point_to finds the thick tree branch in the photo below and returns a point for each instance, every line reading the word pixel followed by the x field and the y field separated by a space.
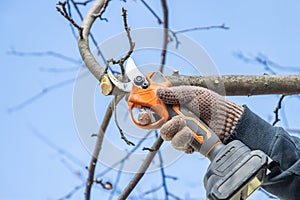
pixel 234 85
pixel 242 84
pixel 83 42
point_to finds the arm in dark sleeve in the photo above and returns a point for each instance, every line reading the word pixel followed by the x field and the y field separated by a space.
pixel 276 143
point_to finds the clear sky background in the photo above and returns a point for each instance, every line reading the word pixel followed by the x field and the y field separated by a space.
pixel 34 168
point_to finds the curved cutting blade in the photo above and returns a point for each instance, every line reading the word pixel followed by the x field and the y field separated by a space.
pixel 126 87
pixel 134 74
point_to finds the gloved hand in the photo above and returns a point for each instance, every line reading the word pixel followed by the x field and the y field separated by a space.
pixel 218 113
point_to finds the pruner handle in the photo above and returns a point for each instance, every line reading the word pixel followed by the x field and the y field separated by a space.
pixel 204 140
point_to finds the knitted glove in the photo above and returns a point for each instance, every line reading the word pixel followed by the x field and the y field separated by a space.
pixel 218 113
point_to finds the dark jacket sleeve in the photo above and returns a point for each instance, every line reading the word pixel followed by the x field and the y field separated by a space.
pixel 279 145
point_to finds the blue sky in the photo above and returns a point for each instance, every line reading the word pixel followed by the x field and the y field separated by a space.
pixel 31 169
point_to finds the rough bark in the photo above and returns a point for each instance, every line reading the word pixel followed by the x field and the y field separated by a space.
pixel 83 42
pixel 243 84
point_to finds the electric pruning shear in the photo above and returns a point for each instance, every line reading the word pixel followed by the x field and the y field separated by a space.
pixel 235 171
pixel 142 95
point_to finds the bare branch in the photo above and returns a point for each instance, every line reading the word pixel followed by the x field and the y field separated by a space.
pixel 234 85
pixel 147 149
pixel 166 34
pixel 123 137
pixel 175 33
pixel 269 65
pixel 243 84
pixel 63 12
pixel 97 149
pixel 56 148
pixel 164 177
pixel 143 168
pixel 90 34
pixel 107 185
pixel 141 171
pixel 84 3
pixel 131 44
pixel 276 111
pixel 152 12
pixel 83 43
pixel 42 93
pixel 222 26
pixel 71 193
pixel 44 53
pixel 102 11
pixel 120 171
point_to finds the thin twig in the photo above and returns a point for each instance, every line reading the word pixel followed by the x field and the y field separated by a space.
pixel 123 137
pixel 120 171
pixel 164 177
pixel 269 65
pixel 222 26
pixel 147 149
pixel 63 12
pixel 152 12
pixel 72 192
pixel 43 92
pixel 44 54
pixel 175 33
pixel 276 111
pixel 84 3
pixel 107 185
pixel 121 61
pixel 166 34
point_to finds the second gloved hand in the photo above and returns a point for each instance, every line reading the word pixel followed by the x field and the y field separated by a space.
pixel 218 113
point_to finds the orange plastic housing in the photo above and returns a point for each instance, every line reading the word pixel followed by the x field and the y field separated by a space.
pixel 141 98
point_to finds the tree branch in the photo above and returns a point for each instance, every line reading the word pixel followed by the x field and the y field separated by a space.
pixel 234 85
pixel 63 12
pixel 91 35
pixel 276 111
pixel 98 147
pixel 121 61
pixel 166 34
pixel 242 84
pixel 143 168
pixel 152 12
pixel 83 43
pixel 141 171
pixel 174 33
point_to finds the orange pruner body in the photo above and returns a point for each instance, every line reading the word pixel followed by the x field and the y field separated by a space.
pixel 146 98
